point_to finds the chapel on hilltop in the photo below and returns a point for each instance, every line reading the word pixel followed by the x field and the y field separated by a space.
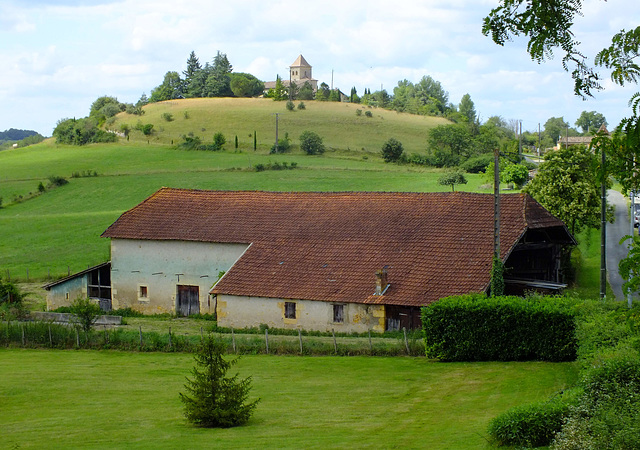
pixel 299 73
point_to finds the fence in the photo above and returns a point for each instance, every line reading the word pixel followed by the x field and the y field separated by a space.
pixel 43 334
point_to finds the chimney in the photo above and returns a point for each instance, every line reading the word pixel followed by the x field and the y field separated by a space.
pixel 381 281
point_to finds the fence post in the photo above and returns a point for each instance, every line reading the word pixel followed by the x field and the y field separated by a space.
pixel 335 344
pixel 233 340
pixel 140 330
pixel 370 344
pixel 266 338
pixel 23 340
pixel 169 338
pixel 201 335
pixel 406 343
pixel 77 338
pixel 50 340
pixel 300 339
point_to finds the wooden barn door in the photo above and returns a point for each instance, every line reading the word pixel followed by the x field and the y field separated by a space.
pixel 188 300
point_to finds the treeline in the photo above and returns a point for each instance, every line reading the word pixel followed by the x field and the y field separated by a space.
pixel 215 79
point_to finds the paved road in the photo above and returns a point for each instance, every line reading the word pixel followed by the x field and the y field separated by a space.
pixel 615 231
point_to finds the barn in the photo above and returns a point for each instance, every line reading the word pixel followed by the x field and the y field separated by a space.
pixel 348 261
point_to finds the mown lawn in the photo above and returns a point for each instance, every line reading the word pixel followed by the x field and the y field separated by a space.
pixel 91 399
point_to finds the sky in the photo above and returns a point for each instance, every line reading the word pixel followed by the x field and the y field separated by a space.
pixel 59 56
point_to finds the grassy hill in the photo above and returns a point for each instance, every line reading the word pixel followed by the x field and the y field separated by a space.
pixel 336 123
pixel 58 231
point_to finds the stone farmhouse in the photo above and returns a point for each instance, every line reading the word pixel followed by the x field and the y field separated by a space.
pixel 349 261
pixel 299 73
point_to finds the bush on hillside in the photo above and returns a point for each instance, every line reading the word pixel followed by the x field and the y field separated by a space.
pixel 478 328
pixel 81 132
pixel 311 143
pixel 86 312
pixel 392 150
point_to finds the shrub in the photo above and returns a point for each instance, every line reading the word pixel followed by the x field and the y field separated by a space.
pixel 607 415
pixel 86 313
pixel 311 143
pixel 358 112
pixel 186 114
pixel 214 400
pixel 57 181
pixel 392 150
pixel 147 129
pixel 477 164
pixel 218 141
pixel 479 328
pixel 290 105
pixel 368 113
pixel 167 116
pixel 301 105
pixel 284 145
pixel 532 425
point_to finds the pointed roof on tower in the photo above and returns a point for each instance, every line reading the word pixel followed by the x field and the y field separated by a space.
pixel 300 62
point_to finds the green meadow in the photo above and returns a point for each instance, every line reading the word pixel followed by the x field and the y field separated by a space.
pixel 103 399
pixel 47 235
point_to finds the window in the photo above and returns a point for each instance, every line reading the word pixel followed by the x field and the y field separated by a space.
pixel 143 292
pixel 289 310
pixel 338 313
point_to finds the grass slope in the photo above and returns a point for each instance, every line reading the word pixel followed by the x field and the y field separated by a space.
pixel 336 123
pixel 78 399
pixel 58 231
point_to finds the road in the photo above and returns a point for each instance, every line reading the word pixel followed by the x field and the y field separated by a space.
pixel 615 231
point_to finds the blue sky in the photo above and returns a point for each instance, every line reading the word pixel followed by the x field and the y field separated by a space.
pixel 59 56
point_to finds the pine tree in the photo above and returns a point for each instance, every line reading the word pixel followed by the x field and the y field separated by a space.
pixel 214 400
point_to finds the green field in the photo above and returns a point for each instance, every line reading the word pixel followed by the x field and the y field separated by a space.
pixel 85 399
pixel 58 232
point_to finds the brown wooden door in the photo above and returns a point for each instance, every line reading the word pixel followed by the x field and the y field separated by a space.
pixel 188 300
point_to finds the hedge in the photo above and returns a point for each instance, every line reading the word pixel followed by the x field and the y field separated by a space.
pixel 478 328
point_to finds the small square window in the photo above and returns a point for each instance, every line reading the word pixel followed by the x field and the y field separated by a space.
pixel 289 310
pixel 338 313
pixel 143 292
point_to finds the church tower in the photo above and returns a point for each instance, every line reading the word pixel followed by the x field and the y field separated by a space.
pixel 300 70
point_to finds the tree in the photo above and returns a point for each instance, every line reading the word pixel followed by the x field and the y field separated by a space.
pixel 85 312
pixel 467 108
pixel 567 185
pixel 451 179
pixel 392 150
pixel 306 91
pixel 590 121
pixel 323 92
pixel 311 143
pixel 172 87
pixel 517 174
pixel 245 85
pixel 629 267
pixel 212 399
pixel 279 93
pixel 218 141
pixel 450 144
pixel 555 127
pixel 193 67
pixel 218 82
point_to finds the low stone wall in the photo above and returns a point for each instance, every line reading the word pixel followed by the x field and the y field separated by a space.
pixel 66 318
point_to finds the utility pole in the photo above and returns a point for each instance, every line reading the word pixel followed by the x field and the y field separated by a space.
pixel 632 194
pixel 496 203
pixel 603 231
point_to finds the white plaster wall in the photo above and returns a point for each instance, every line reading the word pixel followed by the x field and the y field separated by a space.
pixel 65 293
pixel 162 266
pixel 247 312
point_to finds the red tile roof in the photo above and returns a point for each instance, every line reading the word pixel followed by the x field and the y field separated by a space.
pixel 328 245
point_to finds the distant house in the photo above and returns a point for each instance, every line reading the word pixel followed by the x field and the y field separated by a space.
pixel 349 261
pixel 94 283
pixel 570 141
pixel 299 73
